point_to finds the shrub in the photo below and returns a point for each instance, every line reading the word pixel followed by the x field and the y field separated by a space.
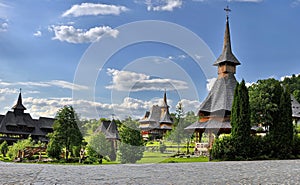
pixel 223 149
pixel 4 148
pixel 296 146
pixel 54 150
pixel 19 146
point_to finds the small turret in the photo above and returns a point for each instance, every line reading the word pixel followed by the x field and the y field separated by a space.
pixel 19 107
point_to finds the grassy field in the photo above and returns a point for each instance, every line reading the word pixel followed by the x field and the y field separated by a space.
pixel 156 157
pixel 153 157
pixel 185 160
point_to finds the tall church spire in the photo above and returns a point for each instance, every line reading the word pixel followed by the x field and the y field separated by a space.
pixel 19 107
pixel 165 103
pixel 227 56
pixel 165 98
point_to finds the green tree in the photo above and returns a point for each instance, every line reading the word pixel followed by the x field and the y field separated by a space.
pixel 296 94
pixel 132 144
pixel 189 119
pixel 264 98
pixel 65 130
pixel 54 148
pixel 178 134
pixel 282 133
pixel 4 148
pixel 240 121
pixel 99 147
pixel 294 84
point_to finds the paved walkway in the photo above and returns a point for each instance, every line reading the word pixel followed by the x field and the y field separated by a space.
pixel 253 172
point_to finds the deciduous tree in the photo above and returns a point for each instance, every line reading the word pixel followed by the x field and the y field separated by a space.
pixel 264 97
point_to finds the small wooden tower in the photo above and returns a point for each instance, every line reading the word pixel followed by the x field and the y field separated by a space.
pixel 214 113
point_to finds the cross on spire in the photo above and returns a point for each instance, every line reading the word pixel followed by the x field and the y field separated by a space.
pixel 227 10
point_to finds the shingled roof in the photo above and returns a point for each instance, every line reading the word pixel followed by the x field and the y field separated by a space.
pixel 19 123
pixel 19 105
pixel 112 131
pixel 158 117
pixel 153 117
pixel 221 95
pixel 109 129
pixel 210 125
pixel 227 55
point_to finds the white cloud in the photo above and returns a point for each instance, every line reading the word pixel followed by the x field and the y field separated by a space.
pixel 48 107
pixel 73 35
pixel 210 83
pixel 8 91
pixel 94 9
pixel 3 27
pixel 57 83
pixel 131 81
pixel 4 5
pixel 4 83
pixel 66 85
pixel 37 34
pixel 178 57
pixel 248 84
pixel 295 3
pixel 283 77
pixel 163 5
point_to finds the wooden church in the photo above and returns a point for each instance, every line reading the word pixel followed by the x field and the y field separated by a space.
pixel 17 125
pixel 214 113
pixel 157 121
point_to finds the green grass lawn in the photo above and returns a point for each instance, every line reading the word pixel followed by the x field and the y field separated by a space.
pixel 157 157
pixel 185 160
pixel 153 157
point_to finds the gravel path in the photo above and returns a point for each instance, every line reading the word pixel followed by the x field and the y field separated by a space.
pixel 250 172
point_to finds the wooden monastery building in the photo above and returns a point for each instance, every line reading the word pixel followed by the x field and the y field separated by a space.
pixel 157 121
pixel 109 129
pixel 214 113
pixel 16 125
pixel 295 110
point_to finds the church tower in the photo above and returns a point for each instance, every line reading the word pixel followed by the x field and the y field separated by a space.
pixel 226 62
pixel 214 112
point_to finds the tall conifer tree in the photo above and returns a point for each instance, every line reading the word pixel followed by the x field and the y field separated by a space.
pixel 284 130
pixel 240 121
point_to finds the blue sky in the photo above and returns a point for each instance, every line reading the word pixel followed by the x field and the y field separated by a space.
pixel 45 45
